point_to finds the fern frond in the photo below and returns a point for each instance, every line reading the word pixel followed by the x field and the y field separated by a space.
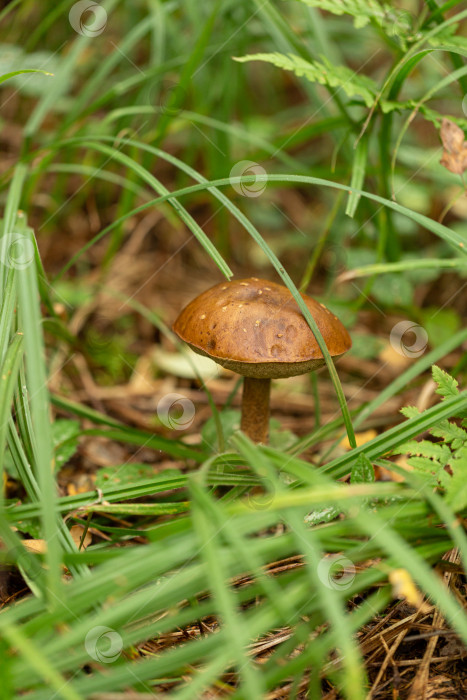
pixel 456 485
pixel 322 72
pixel 450 432
pixel 410 411
pixel 447 385
pixel 426 466
pixel 431 450
pixel 362 11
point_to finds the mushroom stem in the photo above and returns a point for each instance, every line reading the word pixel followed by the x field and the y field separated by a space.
pixel 255 408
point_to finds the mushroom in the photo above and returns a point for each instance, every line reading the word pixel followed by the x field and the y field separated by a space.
pixel 254 327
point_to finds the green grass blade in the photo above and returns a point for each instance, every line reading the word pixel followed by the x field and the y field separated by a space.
pixel 34 656
pixel 147 177
pixel 421 365
pixel 30 324
pixel 224 596
pixel 62 82
pixel 358 176
pixel 191 67
pixel 8 376
pixel 404 265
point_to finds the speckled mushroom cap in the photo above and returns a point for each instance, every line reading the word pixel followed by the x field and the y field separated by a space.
pixel 255 328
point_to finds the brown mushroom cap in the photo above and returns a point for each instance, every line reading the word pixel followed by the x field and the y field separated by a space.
pixel 255 328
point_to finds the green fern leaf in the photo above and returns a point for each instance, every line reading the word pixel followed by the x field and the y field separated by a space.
pixel 447 385
pixel 410 411
pixel 435 117
pixel 447 39
pixel 324 73
pixel 425 466
pixel 456 486
pixel 388 106
pixel 362 11
pixel 450 432
pixel 431 450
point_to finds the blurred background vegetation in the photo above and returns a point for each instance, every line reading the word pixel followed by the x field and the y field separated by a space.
pixel 154 148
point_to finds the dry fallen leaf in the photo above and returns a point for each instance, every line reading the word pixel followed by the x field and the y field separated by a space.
pixel 35 546
pixel 186 364
pixel 454 156
pixel 404 587
pixel 82 483
pixel 360 438
pixel 456 198
pixel 76 533
pixel 438 688
pixel 383 474
pixel 395 359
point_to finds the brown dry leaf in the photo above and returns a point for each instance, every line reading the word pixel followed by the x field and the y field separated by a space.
pixel 404 587
pixel 103 453
pixel 360 438
pixel 402 461
pixel 439 688
pixel 454 156
pixel 82 483
pixel 383 474
pixel 396 360
pixel 71 490
pixel 456 198
pixel 35 546
pixel 76 532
